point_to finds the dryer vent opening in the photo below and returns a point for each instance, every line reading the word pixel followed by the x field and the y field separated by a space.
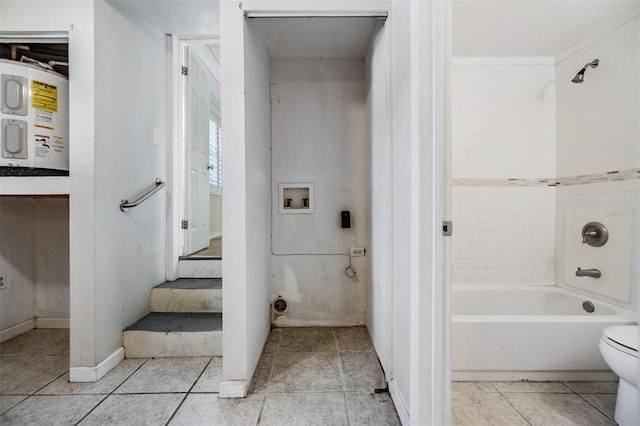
pixel 279 306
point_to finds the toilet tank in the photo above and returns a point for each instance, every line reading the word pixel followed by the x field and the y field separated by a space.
pixel 34 116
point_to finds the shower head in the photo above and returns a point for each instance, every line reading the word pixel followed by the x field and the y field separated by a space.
pixel 579 78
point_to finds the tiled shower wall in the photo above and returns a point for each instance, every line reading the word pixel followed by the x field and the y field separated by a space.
pixel 517 132
pixel 598 132
pixel 503 236
pixel 503 145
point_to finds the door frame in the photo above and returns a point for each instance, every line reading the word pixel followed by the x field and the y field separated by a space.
pixel 177 189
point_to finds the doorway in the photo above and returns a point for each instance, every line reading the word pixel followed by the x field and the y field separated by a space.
pixel 201 148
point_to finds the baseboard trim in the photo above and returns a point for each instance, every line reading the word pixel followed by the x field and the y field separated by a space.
pixel 16 330
pixel 93 374
pixel 399 402
pixel 42 322
pixel 233 389
pixel 215 235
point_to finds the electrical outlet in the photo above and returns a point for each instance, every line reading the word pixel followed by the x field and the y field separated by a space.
pixel 358 251
pixel 3 284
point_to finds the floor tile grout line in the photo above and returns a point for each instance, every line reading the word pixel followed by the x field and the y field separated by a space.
pixel 514 407
pixel 14 406
pixel 139 393
pixel 272 370
pixel 573 392
pixel 264 402
pixel 275 358
pixel 346 408
pixel 113 392
pixel 200 375
pixel 92 410
pixel 588 402
pixel 48 383
pixel 184 398
pixel 342 379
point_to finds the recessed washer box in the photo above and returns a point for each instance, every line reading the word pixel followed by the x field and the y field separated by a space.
pixel 295 198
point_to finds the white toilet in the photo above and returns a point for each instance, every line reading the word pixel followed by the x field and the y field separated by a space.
pixel 619 348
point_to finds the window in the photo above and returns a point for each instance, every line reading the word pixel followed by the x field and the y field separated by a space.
pixel 215 155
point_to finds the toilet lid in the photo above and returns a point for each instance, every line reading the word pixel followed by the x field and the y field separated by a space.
pixel 625 335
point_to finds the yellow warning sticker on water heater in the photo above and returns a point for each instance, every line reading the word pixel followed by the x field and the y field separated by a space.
pixel 44 96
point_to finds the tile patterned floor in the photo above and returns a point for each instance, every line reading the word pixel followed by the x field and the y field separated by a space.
pixel 315 376
pixel 533 403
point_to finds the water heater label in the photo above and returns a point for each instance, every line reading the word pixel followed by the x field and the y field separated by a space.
pixel 57 145
pixel 43 146
pixel 44 120
pixel 44 96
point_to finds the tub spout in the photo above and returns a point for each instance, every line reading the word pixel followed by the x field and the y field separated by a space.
pixel 593 273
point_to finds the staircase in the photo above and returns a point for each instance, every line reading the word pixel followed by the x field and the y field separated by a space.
pixel 185 318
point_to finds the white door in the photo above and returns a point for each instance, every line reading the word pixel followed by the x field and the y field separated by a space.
pixel 198 89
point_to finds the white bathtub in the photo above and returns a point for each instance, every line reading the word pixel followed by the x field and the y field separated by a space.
pixel 532 333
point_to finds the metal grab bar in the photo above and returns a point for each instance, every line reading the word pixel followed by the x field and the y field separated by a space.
pixel 126 204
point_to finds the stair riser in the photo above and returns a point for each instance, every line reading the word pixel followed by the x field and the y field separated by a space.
pixel 200 268
pixel 153 344
pixel 185 300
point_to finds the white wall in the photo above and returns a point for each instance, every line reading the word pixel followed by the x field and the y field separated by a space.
pixel 245 212
pixel 598 119
pixel 76 19
pixel 318 136
pixel 404 120
pixel 621 195
pixel 258 170
pixel 403 206
pixel 17 254
pixel 234 291
pixel 51 261
pixel 503 118
pixel 503 163
pixel 130 247
pixel 34 259
pixel 598 131
pixel 503 235
pixel 380 249
pixel 420 382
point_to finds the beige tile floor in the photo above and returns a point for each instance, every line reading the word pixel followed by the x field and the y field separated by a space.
pixel 317 376
pixel 533 403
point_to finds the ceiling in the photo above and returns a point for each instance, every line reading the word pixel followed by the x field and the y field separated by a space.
pixel 530 28
pixel 315 37
pixel 480 27
pixel 183 18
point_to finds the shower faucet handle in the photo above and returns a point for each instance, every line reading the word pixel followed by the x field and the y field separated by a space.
pixel 592 234
pixel 595 234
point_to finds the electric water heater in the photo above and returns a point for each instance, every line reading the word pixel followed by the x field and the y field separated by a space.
pixel 34 138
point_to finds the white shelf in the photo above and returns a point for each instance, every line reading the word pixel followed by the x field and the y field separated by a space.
pixel 34 185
